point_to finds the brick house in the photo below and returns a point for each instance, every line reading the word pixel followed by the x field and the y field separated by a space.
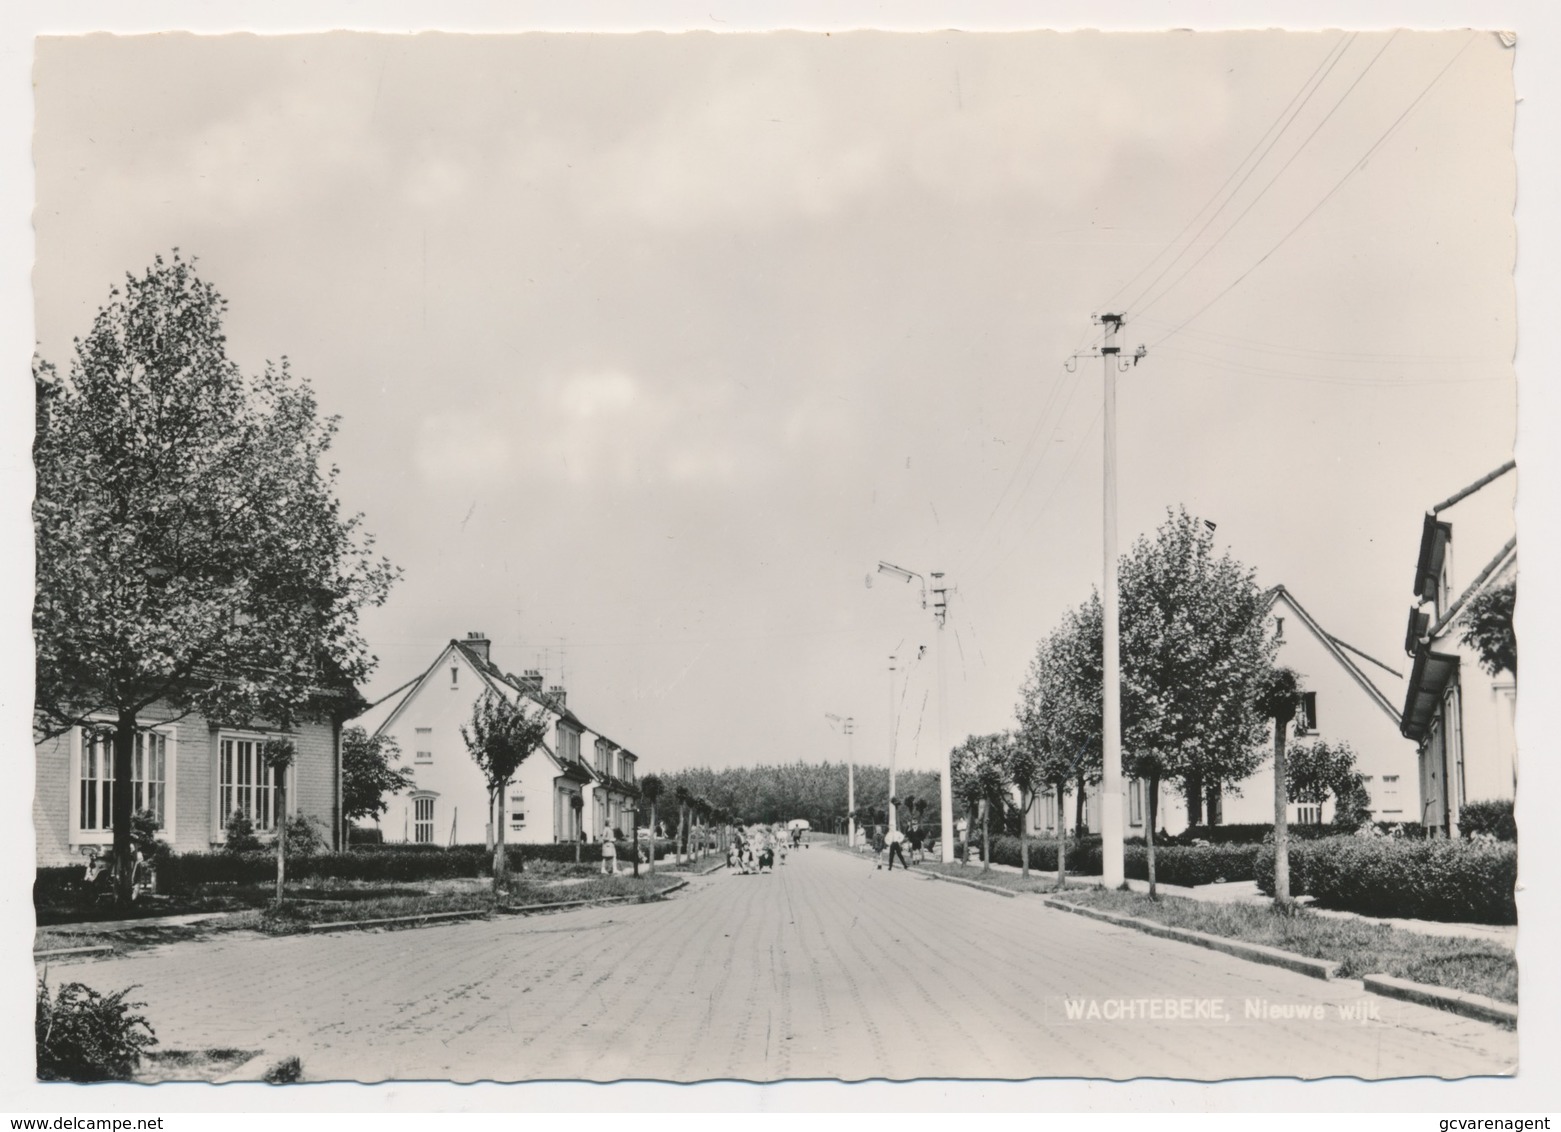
pixel 193 773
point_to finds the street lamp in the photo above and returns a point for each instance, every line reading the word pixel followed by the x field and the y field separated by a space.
pixel 848 726
pixel 940 610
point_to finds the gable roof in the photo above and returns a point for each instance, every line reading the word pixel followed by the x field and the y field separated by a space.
pixel 379 715
pixel 1337 649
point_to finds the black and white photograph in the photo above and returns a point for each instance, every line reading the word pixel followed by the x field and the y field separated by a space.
pixel 825 554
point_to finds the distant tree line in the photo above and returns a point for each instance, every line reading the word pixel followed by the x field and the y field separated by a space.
pixel 815 791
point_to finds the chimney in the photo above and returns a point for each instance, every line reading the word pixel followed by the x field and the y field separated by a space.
pixel 478 644
pixel 556 694
pixel 533 680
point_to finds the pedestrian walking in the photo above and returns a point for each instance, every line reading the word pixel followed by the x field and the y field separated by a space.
pixel 894 841
pixel 915 838
pixel 878 844
pixel 609 852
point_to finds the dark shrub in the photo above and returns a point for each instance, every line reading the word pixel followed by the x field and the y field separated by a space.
pixel 305 835
pixel 1250 833
pixel 1493 819
pixel 57 884
pixel 1191 865
pixel 1436 879
pixel 363 836
pixel 241 834
pixel 86 1036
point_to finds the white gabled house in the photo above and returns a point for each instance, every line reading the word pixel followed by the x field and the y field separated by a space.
pixel 448 803
pixel 1460 717
pixel 1355 698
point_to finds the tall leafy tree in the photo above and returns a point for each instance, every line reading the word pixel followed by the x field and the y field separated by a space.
pixel 979 776
pixel 1319 770
pixel 191 551
pixel 650 790
pixel 1488 628
pixel 368 775
pixel 1059 712
pixel 1197 652
pixel 501 735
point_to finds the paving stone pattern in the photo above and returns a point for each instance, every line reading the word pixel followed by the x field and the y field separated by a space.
pixel 826 968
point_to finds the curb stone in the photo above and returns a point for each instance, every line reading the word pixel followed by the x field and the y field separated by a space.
pixel 387 921
pixel 969 883
pixel 251 1072
pixel 67 952
pixel 523 909
pixel 1256 952
pixel 1458 1002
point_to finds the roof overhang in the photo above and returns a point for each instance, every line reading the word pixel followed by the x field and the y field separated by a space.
pixel 1428 680
pixel 575 772
pixel 1434 537
pixel 1415 632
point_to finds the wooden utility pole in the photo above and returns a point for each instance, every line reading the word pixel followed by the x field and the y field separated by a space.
pixel 1282 718
pixel 1111 830
pixel 892 737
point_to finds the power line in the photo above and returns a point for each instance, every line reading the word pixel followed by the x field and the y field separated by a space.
pixel 1272 180
pixel 1364 381
pixel 973 546
pixel 1382 139
pixel 1308 353
pixel 1040 422
pixel 1298 100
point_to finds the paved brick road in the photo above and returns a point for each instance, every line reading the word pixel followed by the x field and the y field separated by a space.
pixel 826 969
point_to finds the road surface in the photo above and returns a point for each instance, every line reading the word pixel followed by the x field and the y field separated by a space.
pixel 827 968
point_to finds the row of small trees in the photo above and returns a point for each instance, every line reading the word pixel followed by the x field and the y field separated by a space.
pixel 1199 690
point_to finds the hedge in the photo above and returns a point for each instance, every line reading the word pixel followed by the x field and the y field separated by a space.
pixel 401 863
pixel 1493 819
pixel 1187 865
pixel 1437 879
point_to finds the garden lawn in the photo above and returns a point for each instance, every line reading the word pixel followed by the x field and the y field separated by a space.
pixel 1359 948
pixel 346 903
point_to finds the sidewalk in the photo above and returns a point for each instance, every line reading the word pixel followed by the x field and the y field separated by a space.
pixel 1246 892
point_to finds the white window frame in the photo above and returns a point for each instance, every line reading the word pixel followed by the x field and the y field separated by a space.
pixel 170 734
pixel 515 797
pixel 421 757
pixel 219 823
pixel 418 797
pixel 1390 794
pixel 1135 801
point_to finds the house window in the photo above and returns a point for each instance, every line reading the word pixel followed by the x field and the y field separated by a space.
pixel 245 784
pixel 1279 628
pixel 148 778
pixel 517 810
pixel 455 676
pixel 1135 802
pixel 1390 801
pixel 423 819
pixel 425 745
pixel 1309 815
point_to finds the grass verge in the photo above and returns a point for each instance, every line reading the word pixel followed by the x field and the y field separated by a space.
pixel 1359 948
pixel 1035 882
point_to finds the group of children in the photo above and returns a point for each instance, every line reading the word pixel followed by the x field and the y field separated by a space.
pixel 755 848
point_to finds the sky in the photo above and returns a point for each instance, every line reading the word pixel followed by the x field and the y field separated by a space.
pixel 647 349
